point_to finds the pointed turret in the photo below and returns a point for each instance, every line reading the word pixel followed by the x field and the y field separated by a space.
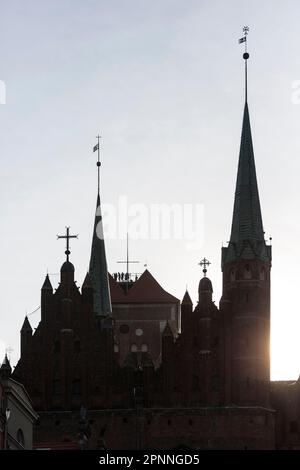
pixel 168 331
pixel 26 325
pixel 98 268
pixel 186 312
pixel 26 337
pixel 47 284
pixel 46 299
pixel 186 299
pixel 5 369
pixel 247 235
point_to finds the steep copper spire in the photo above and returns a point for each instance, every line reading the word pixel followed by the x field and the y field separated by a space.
pixel 247 235
pixel 98 265
pixel 247 220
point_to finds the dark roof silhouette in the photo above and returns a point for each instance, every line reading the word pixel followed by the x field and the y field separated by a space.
pixel 145 290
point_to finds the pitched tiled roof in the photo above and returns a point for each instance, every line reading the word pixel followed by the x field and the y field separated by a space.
pixel 145 290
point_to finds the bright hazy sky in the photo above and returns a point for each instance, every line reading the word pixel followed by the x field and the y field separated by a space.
pixel 162 82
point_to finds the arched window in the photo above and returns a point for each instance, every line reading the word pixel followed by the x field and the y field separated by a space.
pixel 133 348
pixel 20 437
pixel 144 348
pixel 116 348
pixel 262 274
pixel 247 272
pixel 232 275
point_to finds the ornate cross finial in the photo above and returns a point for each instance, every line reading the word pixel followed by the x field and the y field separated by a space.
pixel 204 262
pixel 67 237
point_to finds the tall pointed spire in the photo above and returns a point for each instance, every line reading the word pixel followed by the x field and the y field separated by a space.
pixel 98 265
pixel 247 235
pixel 247 220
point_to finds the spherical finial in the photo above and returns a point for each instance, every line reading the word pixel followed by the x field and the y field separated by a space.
pixel 245 55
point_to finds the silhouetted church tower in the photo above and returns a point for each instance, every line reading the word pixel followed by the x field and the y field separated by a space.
pixel 119 354
pixel 98 265
pixel 245 303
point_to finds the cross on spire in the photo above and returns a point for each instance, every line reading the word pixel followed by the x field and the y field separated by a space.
pixel 67 237
pixel 204 262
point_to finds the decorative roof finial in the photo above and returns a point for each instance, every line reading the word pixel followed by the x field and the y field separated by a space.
pixel 67 237
pixel 97 148
pixel 245 57
pixel 204 262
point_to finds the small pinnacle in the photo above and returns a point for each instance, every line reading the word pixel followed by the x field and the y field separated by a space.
pixel 186 299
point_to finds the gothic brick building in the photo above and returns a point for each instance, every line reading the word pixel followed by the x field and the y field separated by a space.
pixel 112 368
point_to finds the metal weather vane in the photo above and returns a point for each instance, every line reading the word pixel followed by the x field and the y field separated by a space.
pixel 245 57
pixel 96 148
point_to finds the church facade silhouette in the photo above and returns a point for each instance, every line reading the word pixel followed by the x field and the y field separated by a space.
pixel 202 379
